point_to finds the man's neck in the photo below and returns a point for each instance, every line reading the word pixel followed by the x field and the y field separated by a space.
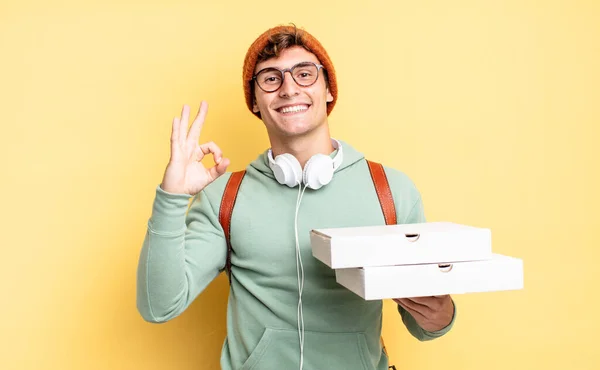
pixel 304 147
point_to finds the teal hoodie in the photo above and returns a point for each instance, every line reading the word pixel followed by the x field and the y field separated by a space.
pixel 185 249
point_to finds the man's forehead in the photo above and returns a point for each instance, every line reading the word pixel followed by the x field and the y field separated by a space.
pixel 288 58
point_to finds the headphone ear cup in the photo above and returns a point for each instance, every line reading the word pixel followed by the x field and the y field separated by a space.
pixel 318 171
pixel 287 170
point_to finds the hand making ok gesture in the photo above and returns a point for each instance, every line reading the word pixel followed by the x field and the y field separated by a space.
pixel 185 174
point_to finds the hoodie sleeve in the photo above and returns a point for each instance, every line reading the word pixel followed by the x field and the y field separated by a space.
pixel 181 254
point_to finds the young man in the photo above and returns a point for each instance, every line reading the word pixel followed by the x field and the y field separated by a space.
pixel 285 309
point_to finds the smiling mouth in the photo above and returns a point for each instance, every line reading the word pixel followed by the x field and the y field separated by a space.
pixel 293 109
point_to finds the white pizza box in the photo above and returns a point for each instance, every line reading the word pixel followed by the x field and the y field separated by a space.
pixel 499 273
pixel 383 245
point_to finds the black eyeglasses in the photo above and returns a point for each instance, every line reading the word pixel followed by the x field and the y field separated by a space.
pixel 304 74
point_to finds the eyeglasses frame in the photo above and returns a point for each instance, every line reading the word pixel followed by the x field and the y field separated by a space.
pixel 283 71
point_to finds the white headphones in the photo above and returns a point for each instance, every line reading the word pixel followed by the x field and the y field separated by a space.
pixel 318 170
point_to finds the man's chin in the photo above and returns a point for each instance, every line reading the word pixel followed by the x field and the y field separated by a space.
pixel 292 132
pixel 292 127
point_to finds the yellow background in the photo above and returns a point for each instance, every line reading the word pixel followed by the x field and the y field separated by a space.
pixel 491 107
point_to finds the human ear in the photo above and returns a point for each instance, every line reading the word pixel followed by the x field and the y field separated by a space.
pixel 329 96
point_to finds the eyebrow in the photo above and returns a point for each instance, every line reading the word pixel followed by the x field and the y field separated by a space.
pixel 279 67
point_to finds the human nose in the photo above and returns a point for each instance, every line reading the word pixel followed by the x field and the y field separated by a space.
pixel 289 87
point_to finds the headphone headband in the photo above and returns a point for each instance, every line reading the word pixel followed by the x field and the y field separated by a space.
pixel 317 172
pixel 337 159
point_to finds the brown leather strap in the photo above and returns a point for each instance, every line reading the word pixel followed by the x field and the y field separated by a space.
pixel 226 210
pixel 384 193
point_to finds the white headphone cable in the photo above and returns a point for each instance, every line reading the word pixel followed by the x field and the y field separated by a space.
pixel 300 273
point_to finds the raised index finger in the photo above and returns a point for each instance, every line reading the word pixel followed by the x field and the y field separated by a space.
pixel 194 134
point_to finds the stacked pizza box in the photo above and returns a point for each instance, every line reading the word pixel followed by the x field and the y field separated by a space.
pixel 415 260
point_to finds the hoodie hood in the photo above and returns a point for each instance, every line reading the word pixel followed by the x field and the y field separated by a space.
pixel 351 156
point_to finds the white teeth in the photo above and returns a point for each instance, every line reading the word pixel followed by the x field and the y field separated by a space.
pixel 293 109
